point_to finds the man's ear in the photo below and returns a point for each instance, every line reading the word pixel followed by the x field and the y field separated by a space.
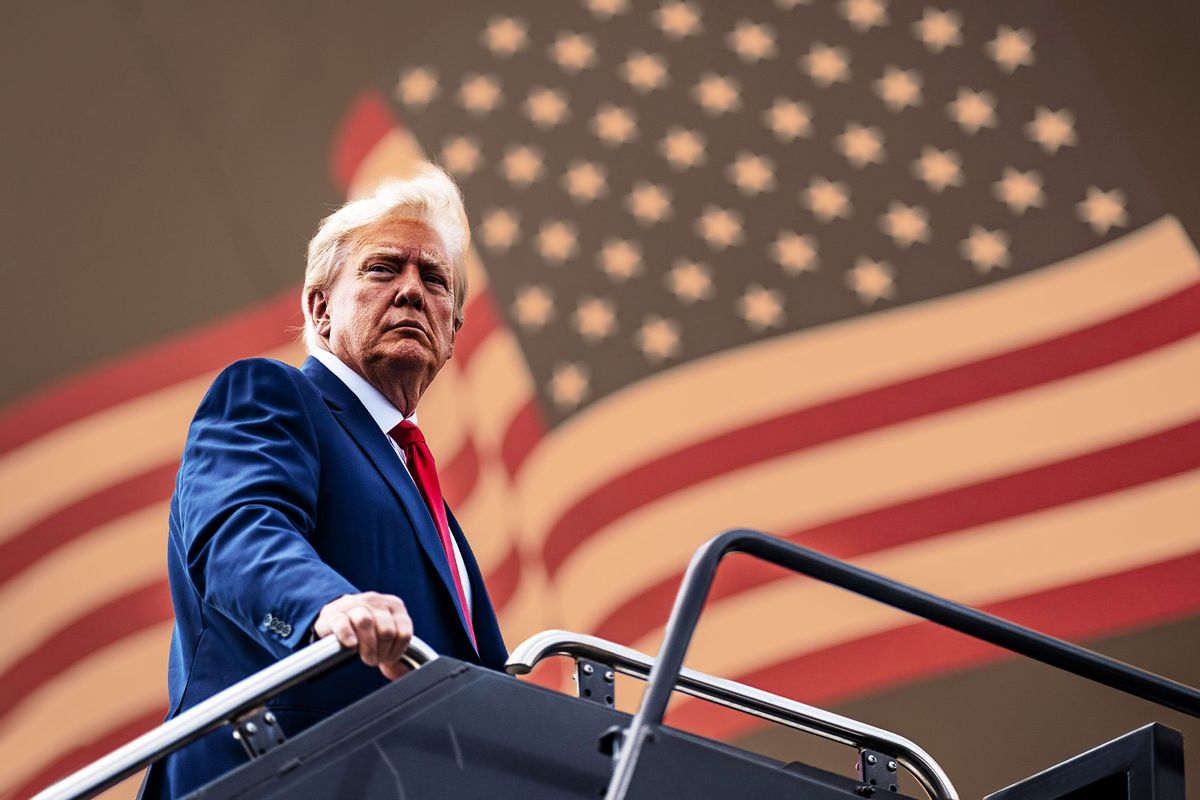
pixel 318 311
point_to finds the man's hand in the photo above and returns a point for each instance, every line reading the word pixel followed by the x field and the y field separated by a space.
pixel 377 624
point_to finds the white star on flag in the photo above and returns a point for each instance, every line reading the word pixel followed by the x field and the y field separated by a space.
pixel 557 241
pixel 621 259
pixel 761 308
pixel 986 250
pixel 573 52
pixel 973 110
pixel 1019 190
pixel 905 224
pixel 569 384
pixel 594 319
pixel 752 174
pixel 794 253
pixel 461 155
pixel 717 94
pixel 585 181
pixel 645 72
pixel 480 94
pixel 1103 210
pixel 751 41
pixel 1052 129
pixel 939 29
pixel 690 281
pixel 658 338
pixel 720 227
pixel 899 88
pixel 683 148
pixel 826 65
pixel 789 119
pixel 1011 48
pixel 505 36
pixel 678 20
pixel 614 125
pixel 938 169
pixel 861 145
pixel 546 108
pixel 828 200
pixel 501 229
pixel 864 14
pixel 607 9
pixel 871 280
pixel 533 307
pixel 522 165
pixel 417 87
pixel 649 203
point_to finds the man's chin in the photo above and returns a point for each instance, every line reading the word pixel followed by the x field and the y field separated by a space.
pixel 403 355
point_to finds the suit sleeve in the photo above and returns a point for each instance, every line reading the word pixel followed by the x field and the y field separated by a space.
pixel 247 505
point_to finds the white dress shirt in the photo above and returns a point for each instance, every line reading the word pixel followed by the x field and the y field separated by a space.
pixel 386 416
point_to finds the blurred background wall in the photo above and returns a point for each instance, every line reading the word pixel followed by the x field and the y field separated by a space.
pixel 911 284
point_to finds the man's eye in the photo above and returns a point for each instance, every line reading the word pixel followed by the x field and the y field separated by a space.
pixel 438 279
pixel 379 268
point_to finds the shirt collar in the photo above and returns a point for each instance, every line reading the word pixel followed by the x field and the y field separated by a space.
pixel 386 415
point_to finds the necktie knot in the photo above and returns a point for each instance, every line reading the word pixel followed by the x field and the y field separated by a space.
pixel 407 434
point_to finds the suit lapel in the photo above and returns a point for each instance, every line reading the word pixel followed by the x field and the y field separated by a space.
pixel 351 414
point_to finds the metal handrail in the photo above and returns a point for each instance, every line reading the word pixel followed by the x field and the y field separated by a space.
pixel 739 697
pixel 223 707
pixel 699 577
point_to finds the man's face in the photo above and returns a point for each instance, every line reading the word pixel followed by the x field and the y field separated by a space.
pixel 391 306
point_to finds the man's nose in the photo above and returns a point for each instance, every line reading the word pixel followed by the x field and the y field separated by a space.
pixel 409 289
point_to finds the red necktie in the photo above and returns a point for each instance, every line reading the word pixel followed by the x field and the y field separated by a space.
pixel 424 473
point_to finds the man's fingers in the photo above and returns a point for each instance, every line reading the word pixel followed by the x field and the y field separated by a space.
pixel 339 625
pixel 385 631
pixel 396 670
pixel 364 626
pixel 397 667
pixel 377 624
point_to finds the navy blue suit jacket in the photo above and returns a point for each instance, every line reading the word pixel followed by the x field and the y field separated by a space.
pixel 289 496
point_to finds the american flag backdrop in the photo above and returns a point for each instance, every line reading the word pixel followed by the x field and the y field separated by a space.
pixel 880 278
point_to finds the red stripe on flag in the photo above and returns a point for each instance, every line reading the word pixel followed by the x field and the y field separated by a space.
pixel 523 433
pixel 503 580
pixel 1121 466
pixel 208 349
pixel 85 514
pixel 366 122
pixel 100 627
pixel 481 321
pixel 1136 332
pixel 461 473
pixel 1099 607
pixel 550 673
pixel 82 756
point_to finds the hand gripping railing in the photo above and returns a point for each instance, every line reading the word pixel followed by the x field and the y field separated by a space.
pixel 739 697
pixel 700 572
pixel 223 707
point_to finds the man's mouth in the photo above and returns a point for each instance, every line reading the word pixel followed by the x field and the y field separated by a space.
pixel 416 326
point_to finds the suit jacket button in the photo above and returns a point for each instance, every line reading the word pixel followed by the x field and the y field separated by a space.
pixel 268 619
pixel 286 630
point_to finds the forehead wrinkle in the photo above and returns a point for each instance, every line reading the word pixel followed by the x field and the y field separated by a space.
pixel 405 254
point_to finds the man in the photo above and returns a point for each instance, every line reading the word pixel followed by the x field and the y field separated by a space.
pixel 307 503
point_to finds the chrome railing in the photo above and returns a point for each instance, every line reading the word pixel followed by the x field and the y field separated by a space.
pixel 223 707
pixel 697 581
pixel 737 696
